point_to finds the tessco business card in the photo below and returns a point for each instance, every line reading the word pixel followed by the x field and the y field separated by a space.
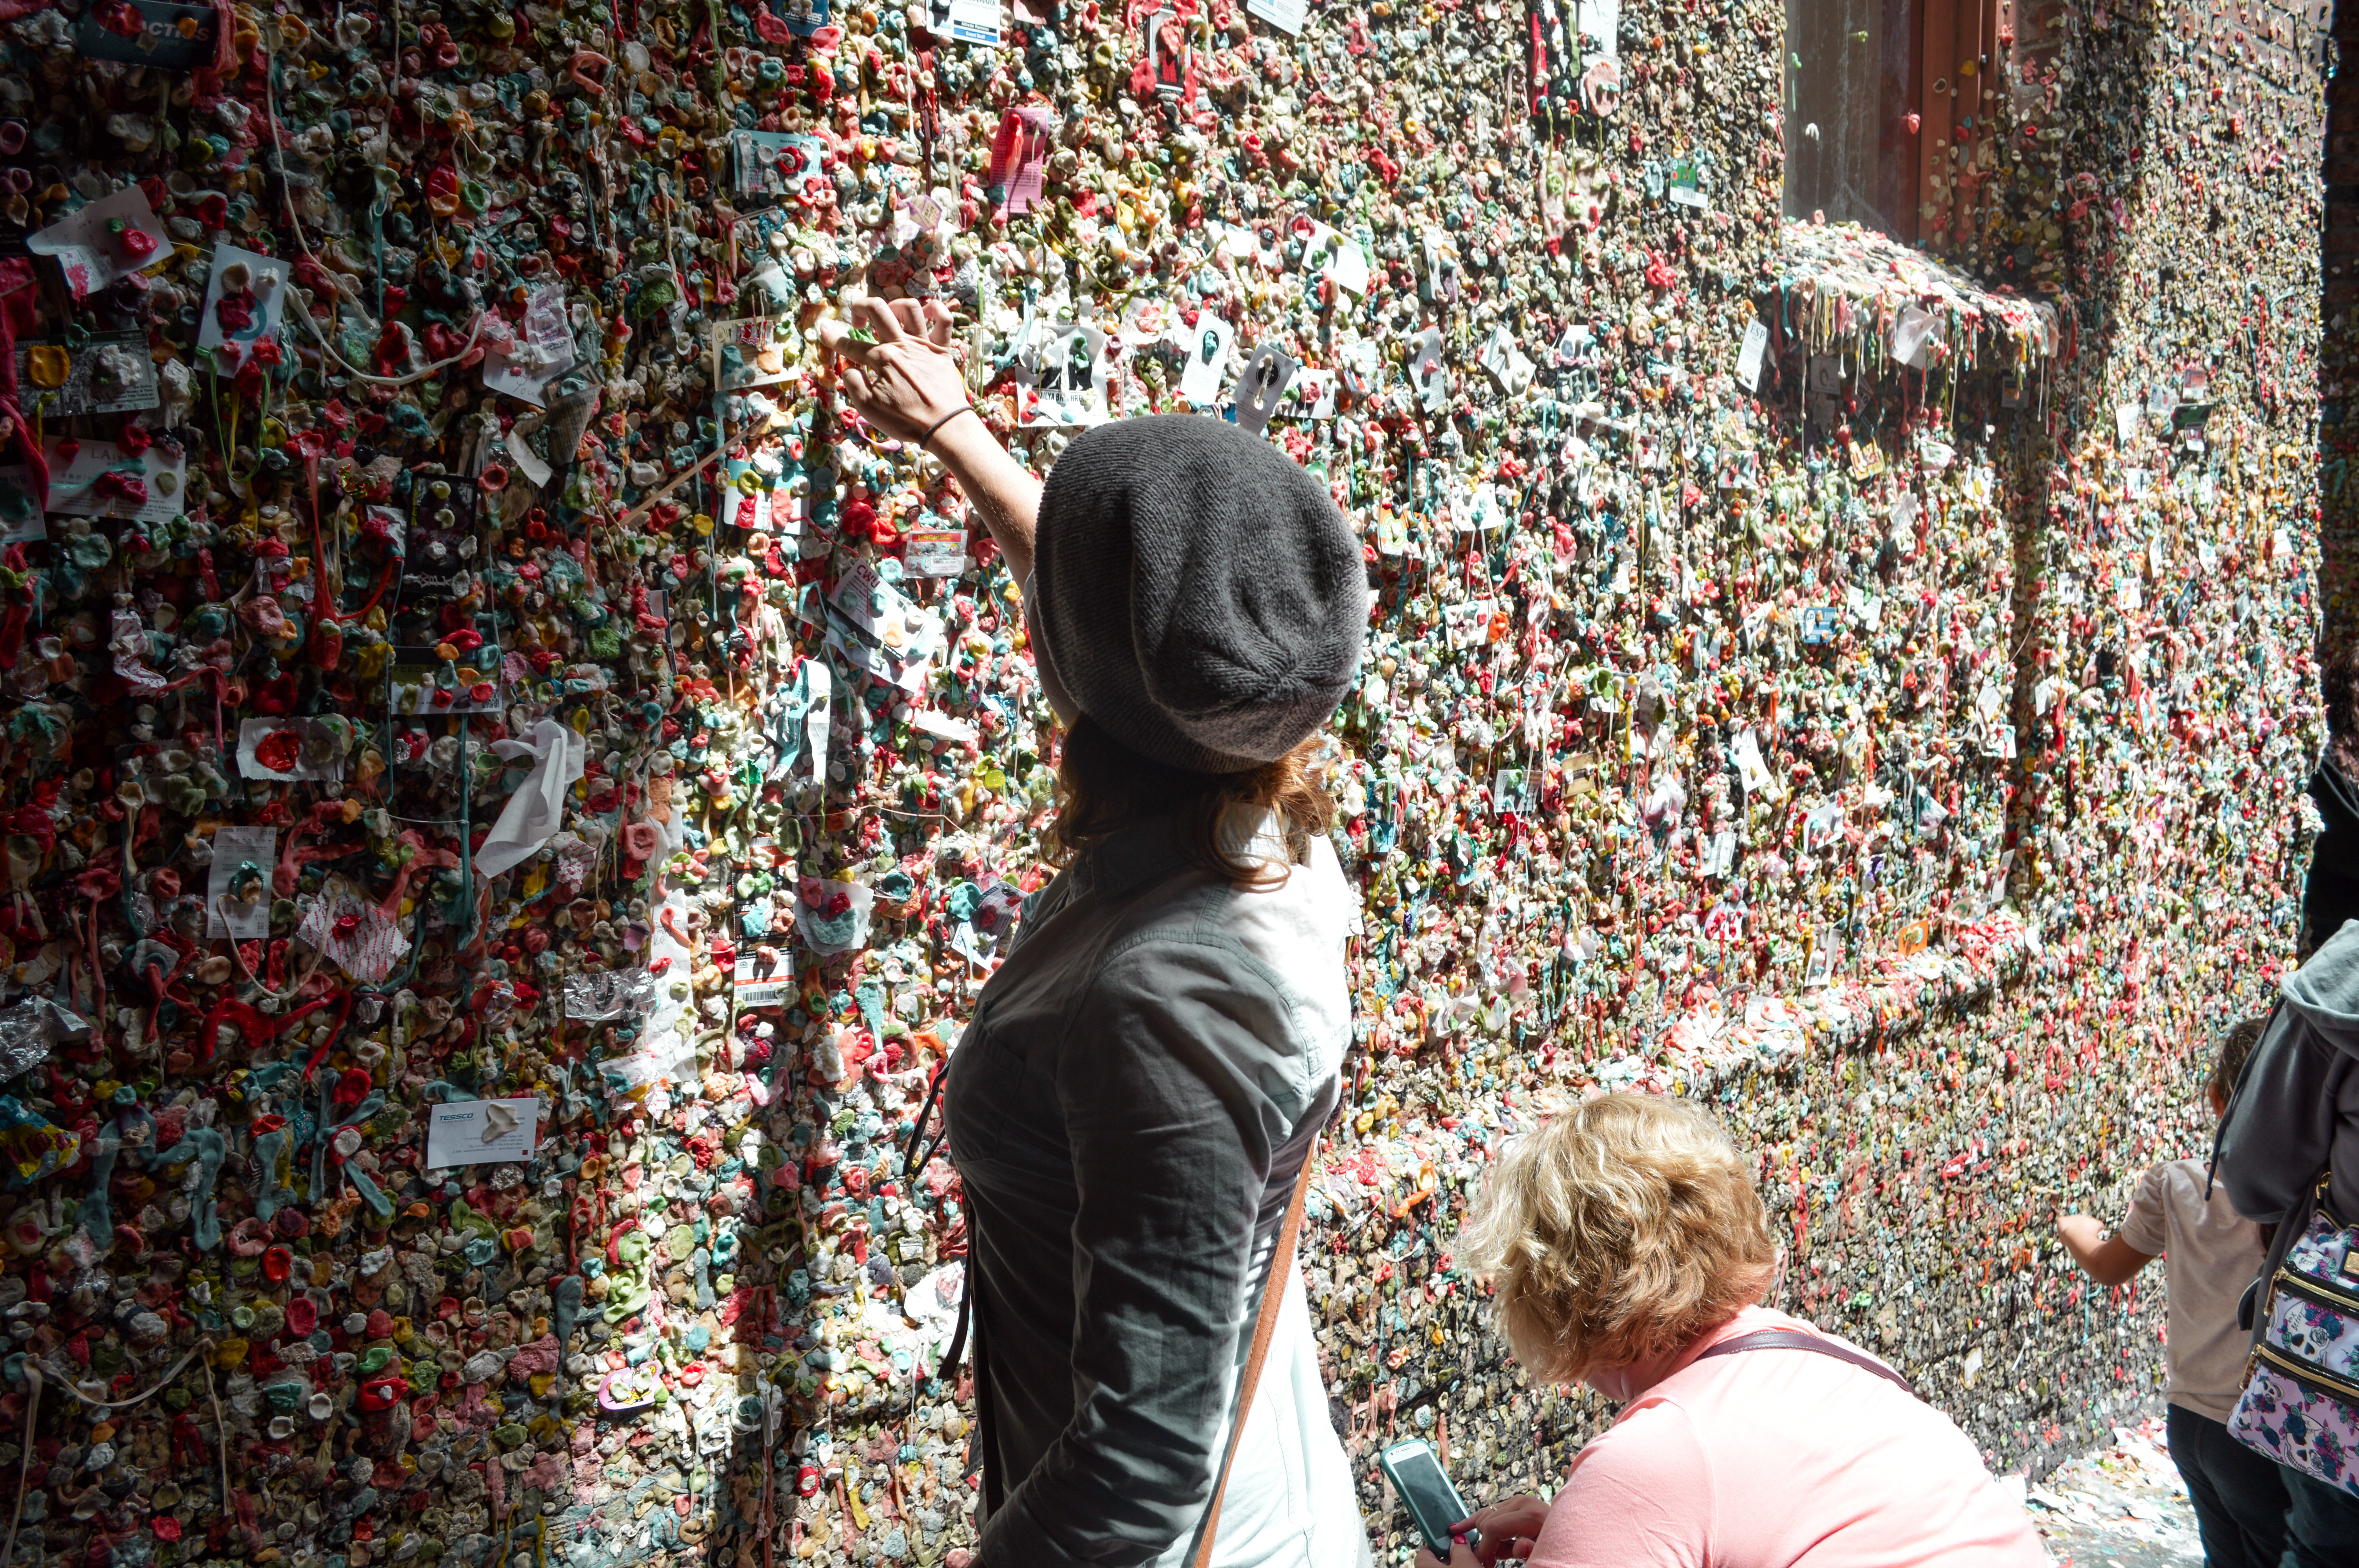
pixel 482 1131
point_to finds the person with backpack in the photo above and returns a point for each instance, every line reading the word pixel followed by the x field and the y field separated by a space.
pixel 2288 1156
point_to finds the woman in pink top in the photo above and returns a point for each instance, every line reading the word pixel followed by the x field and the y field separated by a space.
pixel 1629 1251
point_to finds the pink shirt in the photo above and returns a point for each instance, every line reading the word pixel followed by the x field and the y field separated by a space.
pixel 1781 1459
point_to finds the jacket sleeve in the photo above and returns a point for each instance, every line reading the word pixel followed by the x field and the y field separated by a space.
pixel 2280 1129
pixel 1170 1081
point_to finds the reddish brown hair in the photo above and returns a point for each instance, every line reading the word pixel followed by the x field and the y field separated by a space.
pixel 1103 784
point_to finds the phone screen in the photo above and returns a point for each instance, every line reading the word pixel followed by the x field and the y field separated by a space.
pixel 1424 1486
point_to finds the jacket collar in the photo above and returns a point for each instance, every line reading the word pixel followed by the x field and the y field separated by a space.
pixel 1131 857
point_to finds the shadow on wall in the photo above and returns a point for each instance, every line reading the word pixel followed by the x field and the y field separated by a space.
pixel 2338 367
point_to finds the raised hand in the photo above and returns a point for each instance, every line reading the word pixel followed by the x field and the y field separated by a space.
pixel 899 373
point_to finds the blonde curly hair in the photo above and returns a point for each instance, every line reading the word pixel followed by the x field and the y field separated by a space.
pixel 1618 1231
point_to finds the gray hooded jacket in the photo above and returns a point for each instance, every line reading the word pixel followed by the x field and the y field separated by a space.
pixel 2296 1110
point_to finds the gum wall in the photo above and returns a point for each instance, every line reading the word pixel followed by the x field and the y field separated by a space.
pixel 510 791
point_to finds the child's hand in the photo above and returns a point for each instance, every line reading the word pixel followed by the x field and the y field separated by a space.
pixel 2109 1261
pixel 2080 1232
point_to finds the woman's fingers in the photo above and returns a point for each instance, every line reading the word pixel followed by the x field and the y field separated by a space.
pixel 900 373
pixel 923 324
pixel 1506 1522
pixel 1461 1556
pixel 1509 1527
pixel 1511 1518
pixel 835 338
pixel 885 321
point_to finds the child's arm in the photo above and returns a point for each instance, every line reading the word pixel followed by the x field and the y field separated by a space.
pixel 2109 1259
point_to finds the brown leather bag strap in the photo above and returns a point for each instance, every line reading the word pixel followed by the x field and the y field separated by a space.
pixel 1273 1294
pixel 1818 1345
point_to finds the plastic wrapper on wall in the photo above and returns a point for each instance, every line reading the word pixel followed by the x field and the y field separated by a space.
pixel 511 790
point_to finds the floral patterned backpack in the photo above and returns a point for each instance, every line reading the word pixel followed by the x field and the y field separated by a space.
pixel 2300 1403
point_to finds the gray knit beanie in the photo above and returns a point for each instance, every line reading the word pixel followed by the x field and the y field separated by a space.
pixel 1199 598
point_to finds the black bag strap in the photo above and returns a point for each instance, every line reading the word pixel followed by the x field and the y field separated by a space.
pixel 2220 1128
pixel 926 1141
pixel 1795 1339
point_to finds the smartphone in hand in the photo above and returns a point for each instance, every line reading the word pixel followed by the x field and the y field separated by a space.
pixel 1424 1488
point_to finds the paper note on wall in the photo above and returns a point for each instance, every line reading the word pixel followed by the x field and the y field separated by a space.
pixel 1748 358
pixel 237 900
pixel 92 250
pixel 482 1131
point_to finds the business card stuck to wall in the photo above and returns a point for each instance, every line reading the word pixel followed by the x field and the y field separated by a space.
pixel 482 1131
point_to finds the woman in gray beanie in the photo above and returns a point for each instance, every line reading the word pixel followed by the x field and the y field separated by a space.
pixel 1147 1074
